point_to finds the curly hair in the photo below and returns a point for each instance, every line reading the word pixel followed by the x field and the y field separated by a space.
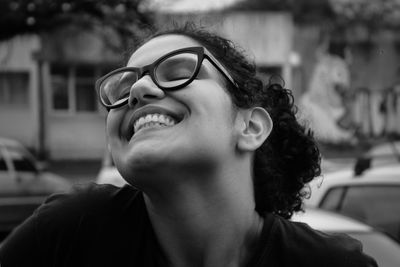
pixel 289 158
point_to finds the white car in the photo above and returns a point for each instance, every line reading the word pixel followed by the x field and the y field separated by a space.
pixel 23 185
pixel 384 249
pixel 371 193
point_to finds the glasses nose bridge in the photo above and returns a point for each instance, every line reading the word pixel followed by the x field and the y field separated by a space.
pixel 143 71
pixel 144 90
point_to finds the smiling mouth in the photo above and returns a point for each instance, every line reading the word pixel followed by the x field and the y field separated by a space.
pixel 153 120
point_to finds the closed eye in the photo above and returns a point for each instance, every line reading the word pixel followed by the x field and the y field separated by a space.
pixel 123 93
pixel 178 67
pixel 177 74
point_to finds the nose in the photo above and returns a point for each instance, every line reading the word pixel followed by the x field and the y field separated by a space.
pixel 144 91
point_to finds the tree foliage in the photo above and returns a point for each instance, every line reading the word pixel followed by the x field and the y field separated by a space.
pixel 372 14
pixel 38 16
pixel 303 11
pixel 369 13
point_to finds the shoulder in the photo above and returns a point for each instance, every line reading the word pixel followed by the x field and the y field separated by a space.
pixel 310 237
pixel 309 247
pixel 69 226
pixel 92 195
pixel 87 199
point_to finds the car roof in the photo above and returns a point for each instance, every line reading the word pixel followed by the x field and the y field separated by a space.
pixel 385 149
pixel 330 222
pixel 382 174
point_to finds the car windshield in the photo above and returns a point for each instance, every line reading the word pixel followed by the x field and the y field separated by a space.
pixel 21 159
pixel 385 250
pixel 3 164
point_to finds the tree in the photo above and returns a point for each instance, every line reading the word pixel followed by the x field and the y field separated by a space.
pixel 124 17
pixel 303 11
pixel 371 14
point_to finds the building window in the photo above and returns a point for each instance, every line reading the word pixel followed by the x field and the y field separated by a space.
pixel 85 95
pixel 73 87
pixel 59 83
pixel 14 88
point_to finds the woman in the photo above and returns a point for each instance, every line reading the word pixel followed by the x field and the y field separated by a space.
pixel 217 163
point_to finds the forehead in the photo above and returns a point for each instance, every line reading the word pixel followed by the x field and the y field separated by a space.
pixel 159 46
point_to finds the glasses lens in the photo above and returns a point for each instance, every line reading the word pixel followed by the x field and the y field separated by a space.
pixel 176 70
pixel 116 88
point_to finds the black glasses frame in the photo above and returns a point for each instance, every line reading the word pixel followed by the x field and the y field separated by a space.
pixel 201 53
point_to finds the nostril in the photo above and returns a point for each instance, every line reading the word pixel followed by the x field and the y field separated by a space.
pixel 151 96
pixel 133 102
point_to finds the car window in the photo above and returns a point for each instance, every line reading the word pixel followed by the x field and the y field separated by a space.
pixel 3 164
pixel 376 205
pixel 21 160
pixel 332 199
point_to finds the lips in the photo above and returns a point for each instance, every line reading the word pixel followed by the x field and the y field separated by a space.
pixel 153 120
pixel 153 116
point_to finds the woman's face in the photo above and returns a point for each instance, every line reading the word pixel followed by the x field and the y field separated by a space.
pixel 191 129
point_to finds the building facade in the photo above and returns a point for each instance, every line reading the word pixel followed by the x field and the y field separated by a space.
pixel 47 96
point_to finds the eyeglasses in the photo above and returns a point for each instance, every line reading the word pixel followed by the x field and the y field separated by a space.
pixel 172 71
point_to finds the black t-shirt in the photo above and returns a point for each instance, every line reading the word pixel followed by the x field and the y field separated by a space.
pixel 102 225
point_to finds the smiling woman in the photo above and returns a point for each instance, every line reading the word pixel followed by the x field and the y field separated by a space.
pixel 216 163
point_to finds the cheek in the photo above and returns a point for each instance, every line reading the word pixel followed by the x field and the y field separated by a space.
pixel 218 127
pixel 113 123
pixel 110 124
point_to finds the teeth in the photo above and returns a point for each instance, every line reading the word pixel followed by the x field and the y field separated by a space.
pixel 153 120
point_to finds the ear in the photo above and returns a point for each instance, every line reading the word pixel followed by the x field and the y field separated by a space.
pixel 255 130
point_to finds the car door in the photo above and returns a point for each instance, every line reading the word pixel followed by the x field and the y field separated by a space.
pixel 17 198
pixel 24 169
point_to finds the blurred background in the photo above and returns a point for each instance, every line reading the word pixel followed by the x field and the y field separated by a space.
pixel 340 58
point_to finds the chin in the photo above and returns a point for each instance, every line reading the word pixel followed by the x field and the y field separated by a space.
pixel 137 163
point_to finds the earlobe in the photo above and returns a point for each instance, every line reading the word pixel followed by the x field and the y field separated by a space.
pixel 258 126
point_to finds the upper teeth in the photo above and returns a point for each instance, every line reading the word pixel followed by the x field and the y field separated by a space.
pixel 153 119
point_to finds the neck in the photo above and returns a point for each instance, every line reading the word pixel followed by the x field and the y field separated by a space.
pixel 206 221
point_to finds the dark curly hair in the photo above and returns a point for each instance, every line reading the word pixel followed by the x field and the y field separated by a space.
pixel 290 157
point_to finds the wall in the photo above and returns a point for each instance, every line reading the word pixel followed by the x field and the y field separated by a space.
pixel 377 65
pixel 71 134
pixel 306 43
pixel 76 137
pixel 21 122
